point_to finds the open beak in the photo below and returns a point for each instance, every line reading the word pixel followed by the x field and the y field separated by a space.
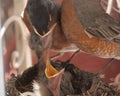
pixel 50 70
pixel 47 34
pixel 54 77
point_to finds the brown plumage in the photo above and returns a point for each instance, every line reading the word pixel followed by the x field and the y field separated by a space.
pixel 85 24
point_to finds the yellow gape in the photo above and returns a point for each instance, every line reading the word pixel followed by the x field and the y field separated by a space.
pixel 50 70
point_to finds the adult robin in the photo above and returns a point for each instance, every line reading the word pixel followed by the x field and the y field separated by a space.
pixel 81 23
pixel 86 25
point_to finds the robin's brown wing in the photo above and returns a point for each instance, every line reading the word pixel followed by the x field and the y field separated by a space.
pixel 107 29
pixel 95 21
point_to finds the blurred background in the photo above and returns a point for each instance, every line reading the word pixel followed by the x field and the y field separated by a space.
pixel 17 56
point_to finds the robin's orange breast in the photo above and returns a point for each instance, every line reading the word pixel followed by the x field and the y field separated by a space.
pixel 75 33
pixel 59 40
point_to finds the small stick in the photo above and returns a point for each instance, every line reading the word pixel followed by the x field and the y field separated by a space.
pixel 72 56
pixel 106 66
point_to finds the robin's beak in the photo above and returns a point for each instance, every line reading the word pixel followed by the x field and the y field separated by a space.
pixel 47 42
pixel 50 70
pixel 54 77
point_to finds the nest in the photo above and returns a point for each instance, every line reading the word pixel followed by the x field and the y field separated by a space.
pixel 74 82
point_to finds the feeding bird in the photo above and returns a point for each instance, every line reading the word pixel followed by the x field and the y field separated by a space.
pixel 97 34
pixel 81 23
pixel 42 28
pixel 47 78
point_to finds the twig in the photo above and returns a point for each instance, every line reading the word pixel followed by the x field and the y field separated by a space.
pixel 106 66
